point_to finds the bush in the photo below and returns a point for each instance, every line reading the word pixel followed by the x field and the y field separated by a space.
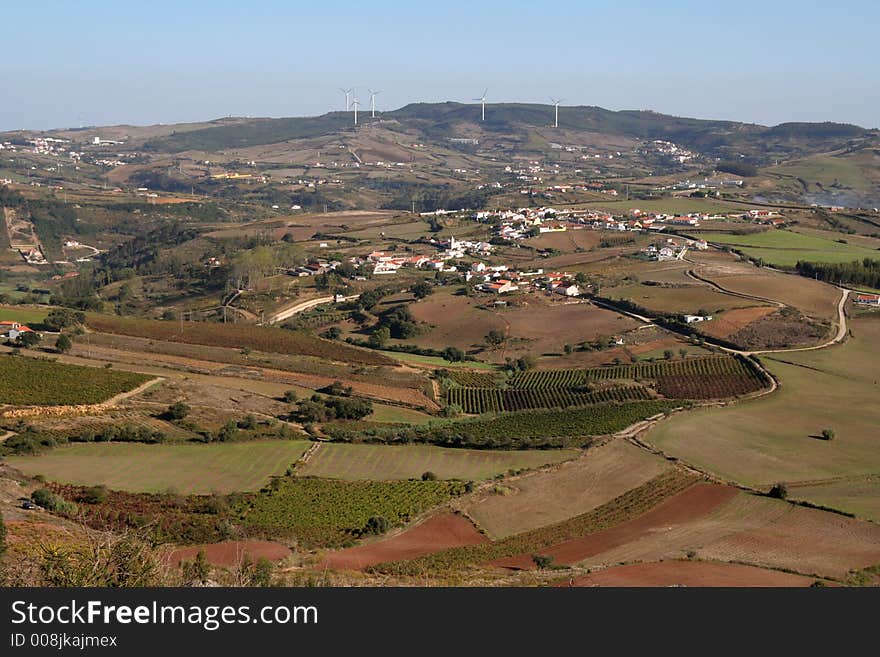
pixel 542 561
pixel 779 491
pixel 51 502
pixel 93 495
pixel 177 411
pixel 290 396
pixel 63 344
pixel 375 525
pixel 429 476
pixel 828 434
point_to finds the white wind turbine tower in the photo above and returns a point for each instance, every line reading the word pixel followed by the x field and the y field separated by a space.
pixel 347 93
pixel 373 95
pixel 482 100
pixel 556 108
pixel 355 103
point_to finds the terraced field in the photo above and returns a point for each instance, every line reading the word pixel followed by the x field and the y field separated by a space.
pixel 703 377
pixel 387 462
pixel 187 468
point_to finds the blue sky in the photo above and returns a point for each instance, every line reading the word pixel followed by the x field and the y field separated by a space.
pixel 161 61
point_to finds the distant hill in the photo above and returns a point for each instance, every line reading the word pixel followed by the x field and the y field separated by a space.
pixel 437 121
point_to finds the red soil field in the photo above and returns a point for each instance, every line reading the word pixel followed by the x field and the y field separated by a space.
pixel 435 534
pixel 230 553
pixel 690 573
pixel 694 503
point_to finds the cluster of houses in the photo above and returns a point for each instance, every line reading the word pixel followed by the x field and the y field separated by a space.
pixel 501 280
pixel 384 262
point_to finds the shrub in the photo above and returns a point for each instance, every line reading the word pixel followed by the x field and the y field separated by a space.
pixel 542 561
pixel 177 411
pixel 828 434
pixel 376 525
pixel 93 495
pixel 779 491
pixel 290 396
pixel 63 344
pixel 429 476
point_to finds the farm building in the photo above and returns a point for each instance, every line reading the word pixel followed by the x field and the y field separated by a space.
pixel 690 319
pixel 12 330
pixel 868 299
pixel 500 286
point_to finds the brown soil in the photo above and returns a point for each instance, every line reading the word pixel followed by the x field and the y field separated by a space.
pixel 435 534
pixel 697 501
pixel 690 573
pixel 230 553
pixel 776 331
pixel 734 320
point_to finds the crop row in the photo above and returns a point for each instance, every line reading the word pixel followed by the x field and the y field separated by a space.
pixel 32 381
pixel 236 336
pixel 629 505
pixel 495 400
pixel 331 512
pixel 704 365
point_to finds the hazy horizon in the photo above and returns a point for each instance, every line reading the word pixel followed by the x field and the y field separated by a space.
pixel 99 63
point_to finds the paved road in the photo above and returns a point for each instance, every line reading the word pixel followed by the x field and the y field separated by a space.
pixel 299 307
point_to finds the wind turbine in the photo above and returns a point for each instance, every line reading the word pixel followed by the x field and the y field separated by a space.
pixel 373 95
pixel 482 100
pixel 347 93
pixel 355 104
pixel 556 107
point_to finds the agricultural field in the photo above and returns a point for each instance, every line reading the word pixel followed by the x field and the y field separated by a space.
pixel 23 314
pixel 188 468
pixel 814 298
pixel 677 300
pixel 628 505
pixel 575 487
pixel 777 437
pixel 32 381
pixel 498 400
pixel 541 326
pixel 271 340
pixel 702 377
pixel 783 248
pixel 333 512
pixel 389 462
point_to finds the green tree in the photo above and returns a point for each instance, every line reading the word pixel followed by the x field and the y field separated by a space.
pixel 379 337
pixel 429 476
pixel 63 344
pixel 28 340
pixel 290 396
pixel 683 353
pixel 828 434
pixel 453 354
pixel 422 289
pixel 177 411
pixel 542 561
pixel 668 354
pixel 495 337
pixel 376 525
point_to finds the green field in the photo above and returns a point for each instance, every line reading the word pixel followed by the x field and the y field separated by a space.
pixel 331 513
pixel 784 248
pixel 384 462
pixel 774 438
pixel 388 413
pixel 23 314
pixel 436 361
pixel 187 468
pixel 32 381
